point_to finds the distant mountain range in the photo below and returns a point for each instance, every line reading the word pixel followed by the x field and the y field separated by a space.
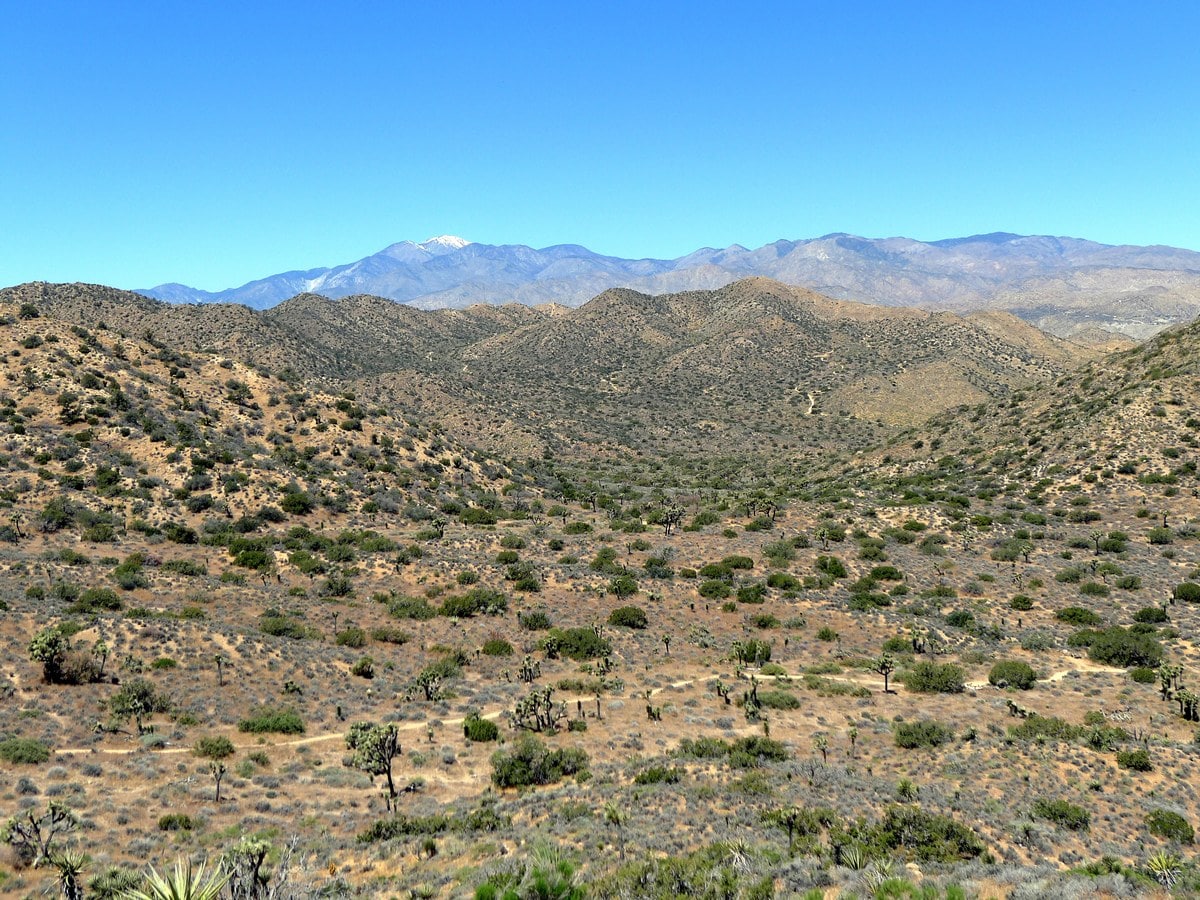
pixel 753 363
pixel 1064 285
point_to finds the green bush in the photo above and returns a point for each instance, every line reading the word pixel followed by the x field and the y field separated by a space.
pixel 1063 813
pixel 714 589
pixel 1121 647
pixel 23 751
pixel 480 730
pixel 1013 673
pixel 1077 615
pixel 751 752
pixel 411 608
pixel 214 747
pixel 923 733
pixel 1143 675
pixel 497 647
pixel 831 565
pixel 273 721
pixel 1021 603
pixel 1170 825
pixel 531 762
pixel 389 634
pixel 1151 615
pixel 778 699
pixel 1188 592
pixel 1134 760
pixel 176 822
pixel 628 617
pixel 353 637
pixel 658 775
pixel 933 678
pixel 95 600
pixel 580 643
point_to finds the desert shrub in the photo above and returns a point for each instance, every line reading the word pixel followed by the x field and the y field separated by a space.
pixel 214 747
pixel 1013 673
pixel 95 600
pixel 1120 647
pixel 580 643
pixel 1036 727
pixel 389 634
pixel 353 637
pixel 1021 603
pixel 703 748
pixel 752 593
pixel 176 822
pixel 411 608
pixel 714 589
pixel 1134 760
pixel 364 667
pixel 273 721
pixel 923 733
pixel 185 567
pixel 1094 589
pixel 531 762
pixel 929 837
pixel 480 730
pixel 783 581
pixel 628 617
pixel 401 825
pixel 536 620
pixel 831 565
pixel 961 618
pixel 658 775
pixel 477 600
pixel 826 634
pixel 1077 615
pixel 933 678
pixel 497 647
pixel 1160 536
pixel 1188 592
pixel 577 528
pixel 23 751
pixel 1143 675
pixel 753 751
pixel 778 699
pixel 1170 825
pixel 1151 615
pixel 277 624
pixel 1063 813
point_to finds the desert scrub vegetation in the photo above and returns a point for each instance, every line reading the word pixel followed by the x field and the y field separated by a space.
pixel 531 762
pixel 271 720
pixel 23 751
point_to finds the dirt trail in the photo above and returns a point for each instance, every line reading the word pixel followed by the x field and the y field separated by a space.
pixel 337 735
pixel 1081 666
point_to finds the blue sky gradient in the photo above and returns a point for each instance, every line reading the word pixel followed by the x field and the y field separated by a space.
pixel 213 143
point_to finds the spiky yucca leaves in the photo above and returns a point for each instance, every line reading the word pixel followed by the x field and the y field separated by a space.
pixel 1164 867
pixel 185 883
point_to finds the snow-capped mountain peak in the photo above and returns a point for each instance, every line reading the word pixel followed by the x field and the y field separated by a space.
pixel 443 242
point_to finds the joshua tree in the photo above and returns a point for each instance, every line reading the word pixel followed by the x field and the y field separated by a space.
pixel 220 661
pixel 821 742
pixel 32 834
pixel 217 770
pixel 885 666
pixel 375 746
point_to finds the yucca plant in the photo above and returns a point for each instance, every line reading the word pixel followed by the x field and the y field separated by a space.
pixel 183 884
pixel 1164 867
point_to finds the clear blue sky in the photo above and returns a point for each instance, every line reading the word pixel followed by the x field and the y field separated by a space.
pixel 215 142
